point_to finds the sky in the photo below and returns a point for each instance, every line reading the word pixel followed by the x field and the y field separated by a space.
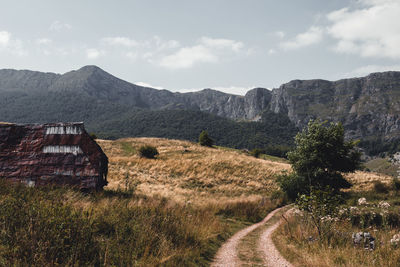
pixel 186 45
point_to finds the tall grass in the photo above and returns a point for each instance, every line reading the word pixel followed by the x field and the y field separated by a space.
pixel 185 171
pixel 59 226
pixel 298 243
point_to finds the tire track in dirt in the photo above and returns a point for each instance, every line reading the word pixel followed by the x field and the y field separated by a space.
pixel 227 255
pixel 266 247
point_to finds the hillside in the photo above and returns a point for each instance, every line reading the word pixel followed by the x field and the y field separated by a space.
pixel 186 171
pixel 368 107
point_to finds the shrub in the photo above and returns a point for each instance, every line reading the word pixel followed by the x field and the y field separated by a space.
pixel 396 184
pixel 93 135
pixel 380 187
pixel 321 206
pixel 292 185
pixel 148 152
pixel 277 150
pixel 205 140
pixel 256 152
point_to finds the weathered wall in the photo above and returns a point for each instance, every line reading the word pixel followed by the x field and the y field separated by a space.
pixel 51 154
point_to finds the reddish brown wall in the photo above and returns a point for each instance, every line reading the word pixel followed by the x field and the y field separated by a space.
pixel 22 157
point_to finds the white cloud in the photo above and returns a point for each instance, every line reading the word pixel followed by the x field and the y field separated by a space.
pixel 207 50
pixel 222 43
pixel 11 45
pixel 120 41
pixel 58 26
pixel 271 51
pixel 312 36
pixel 370 30
pixel 365 70
pixel 43 41
pixel 186 57
pixel 280 34
pixel 5 38
pixel 132 55
pixel 162 44
pixel 93 53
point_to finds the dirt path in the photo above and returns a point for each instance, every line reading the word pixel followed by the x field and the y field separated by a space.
pixel 227 255
pixel 271 255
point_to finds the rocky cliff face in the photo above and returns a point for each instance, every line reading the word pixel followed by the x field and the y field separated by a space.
pixel 368 106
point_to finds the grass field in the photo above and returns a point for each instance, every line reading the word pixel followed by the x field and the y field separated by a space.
pixel 175 210
pixel 185 171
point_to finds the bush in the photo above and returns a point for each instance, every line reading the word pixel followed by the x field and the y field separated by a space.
pixel 93 135
pixel 205 140
pixel 256 152
pixel 148 152
pixel 380 187
pixel 292 185
pixel 396 184
pixel 277 150
pixel 321 206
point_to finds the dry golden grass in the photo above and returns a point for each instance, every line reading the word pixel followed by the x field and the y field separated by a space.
pixel 291 240
pixel 364 181
pixel 185 171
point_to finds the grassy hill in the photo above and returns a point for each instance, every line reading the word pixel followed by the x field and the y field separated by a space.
pixel 185 171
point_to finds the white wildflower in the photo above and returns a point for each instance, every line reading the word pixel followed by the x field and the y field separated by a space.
pixel 362 201
pixel 395 240
pixel 384 205
pixel 353 209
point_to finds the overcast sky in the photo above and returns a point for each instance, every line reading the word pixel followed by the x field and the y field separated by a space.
pixel 181 45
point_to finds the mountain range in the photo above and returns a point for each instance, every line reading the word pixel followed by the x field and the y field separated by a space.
pixel 368 107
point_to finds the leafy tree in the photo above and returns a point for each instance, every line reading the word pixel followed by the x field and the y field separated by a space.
pixel 320 157
pixel 205 140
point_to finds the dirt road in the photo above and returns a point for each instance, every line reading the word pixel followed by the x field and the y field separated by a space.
pixel 227 255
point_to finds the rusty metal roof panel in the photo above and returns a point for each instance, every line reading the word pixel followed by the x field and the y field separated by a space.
pixel 57 153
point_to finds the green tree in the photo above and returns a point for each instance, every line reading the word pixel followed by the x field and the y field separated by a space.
pixel 320 157
pixel 205 140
